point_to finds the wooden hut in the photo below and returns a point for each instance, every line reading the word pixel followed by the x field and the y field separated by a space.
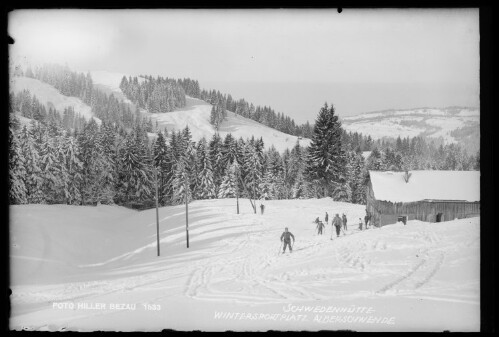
pixel 431 196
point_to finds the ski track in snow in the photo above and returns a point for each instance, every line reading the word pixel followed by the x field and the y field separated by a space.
pixel 235 259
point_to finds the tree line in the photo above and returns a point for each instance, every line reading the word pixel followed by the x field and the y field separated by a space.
pixel 157 95
pixel 59 157
pixel 144 88
pixel 107 108
pixel 52 162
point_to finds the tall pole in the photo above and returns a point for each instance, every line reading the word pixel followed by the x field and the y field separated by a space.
pixel 186 214
pixel 157 211
pixel 237 191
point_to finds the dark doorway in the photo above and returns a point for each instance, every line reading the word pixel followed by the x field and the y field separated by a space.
pixel 439 217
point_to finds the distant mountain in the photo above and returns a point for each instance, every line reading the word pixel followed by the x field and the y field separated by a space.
pixel 451 125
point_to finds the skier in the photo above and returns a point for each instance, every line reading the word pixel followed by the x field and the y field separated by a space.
pixel 344 218
pixel 326 218
pixel 316 220
pixel 262 208
pixel 337 223
pixel 320 226
pixel 360 223
pixel 286 237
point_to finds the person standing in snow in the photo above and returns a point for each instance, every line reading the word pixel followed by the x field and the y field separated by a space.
pixel 326 218
pixel 337 224
pixel 286 238
pixel 262 206
pixel 344 218
pixel 367 218
pixel 360 223
pixel 320 226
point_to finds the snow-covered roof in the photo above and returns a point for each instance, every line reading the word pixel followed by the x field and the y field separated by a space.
pixel 426 185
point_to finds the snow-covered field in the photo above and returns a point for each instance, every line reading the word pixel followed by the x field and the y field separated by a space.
pixel 431 122
pixel 196 115
pixel 95 268
pixel 50 96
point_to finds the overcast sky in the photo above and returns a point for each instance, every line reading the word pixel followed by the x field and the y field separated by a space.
pixel 360 60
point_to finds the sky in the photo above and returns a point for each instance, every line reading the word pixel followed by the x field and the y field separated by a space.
pixel 291 60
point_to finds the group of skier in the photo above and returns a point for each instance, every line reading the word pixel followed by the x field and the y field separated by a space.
pixel 337 222
pixel 340 223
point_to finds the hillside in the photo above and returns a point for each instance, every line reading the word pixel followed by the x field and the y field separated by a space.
pixel 196 115
pixel 453 125
pixel 50 97
pixel 420 276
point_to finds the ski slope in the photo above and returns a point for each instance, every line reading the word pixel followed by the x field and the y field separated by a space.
pixel 196 115
pixel 95 268
pixel 50 96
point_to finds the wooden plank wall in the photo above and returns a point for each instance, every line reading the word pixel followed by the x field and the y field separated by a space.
pixel 385 212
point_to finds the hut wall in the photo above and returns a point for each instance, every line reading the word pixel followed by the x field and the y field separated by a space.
pixel 385 212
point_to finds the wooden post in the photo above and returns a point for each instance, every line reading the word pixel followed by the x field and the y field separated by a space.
pixel 186 215
pixel 157 211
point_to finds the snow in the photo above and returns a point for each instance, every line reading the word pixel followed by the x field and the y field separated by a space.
pixel 366 154
pixel 51 97
pixel 469 113
pixel 102 260
pixel 431 122
pixel 437 185
pixel 24 122
pixel 196 115
pixel 383 128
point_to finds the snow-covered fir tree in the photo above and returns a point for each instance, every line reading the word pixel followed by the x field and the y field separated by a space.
pixel 163 165
pixel 229 186
pixel 215 150
pixel 252 169
pixel 135 177
pixel 17 166
pixel 33 179
pixel 326 158
pixel 205 189
pixel 181 183
pixel 71 169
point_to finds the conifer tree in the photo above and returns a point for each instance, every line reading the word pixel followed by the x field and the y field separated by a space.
pixel 326 159
pixel 17 165
pixel 229 186
pixel 163 163
pixel 215 150
pixel 205 189
pixel 252 170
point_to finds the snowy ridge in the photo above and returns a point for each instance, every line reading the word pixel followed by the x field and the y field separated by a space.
pixel 51 97
pixel 422 272
pixel 429 122
pixel 196 115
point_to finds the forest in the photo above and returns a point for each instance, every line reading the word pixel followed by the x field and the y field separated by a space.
pixel 59 157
